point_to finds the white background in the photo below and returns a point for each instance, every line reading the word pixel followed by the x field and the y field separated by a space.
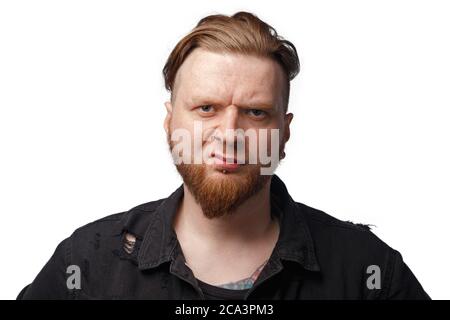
pixel 81 111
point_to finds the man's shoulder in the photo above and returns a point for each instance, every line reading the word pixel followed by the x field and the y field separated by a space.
pixel 346 236
pixel 134 220
pixel 95 248
pixel 96 240
pixel 322 218
pixel 347 250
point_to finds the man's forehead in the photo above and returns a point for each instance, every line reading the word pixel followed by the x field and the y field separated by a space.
pixel 206 74
pixel 201 63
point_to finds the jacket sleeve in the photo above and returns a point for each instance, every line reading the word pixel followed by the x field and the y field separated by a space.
pixel 50 283
pixel 403 284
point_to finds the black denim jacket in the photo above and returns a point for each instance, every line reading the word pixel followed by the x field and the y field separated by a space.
pixel 316 257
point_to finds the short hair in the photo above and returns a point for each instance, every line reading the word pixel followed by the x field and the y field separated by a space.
pixel 243 32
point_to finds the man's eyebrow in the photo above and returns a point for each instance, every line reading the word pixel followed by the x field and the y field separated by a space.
pixel 258 105
pixel 198 100
pixel 204 100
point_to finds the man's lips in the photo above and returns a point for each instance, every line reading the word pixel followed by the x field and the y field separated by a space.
pixel 222 158
pixel 225 163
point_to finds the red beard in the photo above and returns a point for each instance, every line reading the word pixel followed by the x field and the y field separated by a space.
pixel 217 193
pixel 218 196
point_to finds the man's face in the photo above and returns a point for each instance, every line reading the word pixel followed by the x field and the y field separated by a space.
pixel 223 92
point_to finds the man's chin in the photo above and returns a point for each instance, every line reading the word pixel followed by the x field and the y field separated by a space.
pixel 220 192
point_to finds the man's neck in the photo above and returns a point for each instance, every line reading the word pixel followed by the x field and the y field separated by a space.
pixel 231 247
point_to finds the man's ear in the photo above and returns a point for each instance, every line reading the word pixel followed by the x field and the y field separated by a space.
pixel 287 122
pixel 168 105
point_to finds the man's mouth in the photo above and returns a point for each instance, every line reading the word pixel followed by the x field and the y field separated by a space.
pixel 225 163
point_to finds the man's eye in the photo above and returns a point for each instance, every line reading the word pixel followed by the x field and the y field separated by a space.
pixel 257 113
pixel 206 108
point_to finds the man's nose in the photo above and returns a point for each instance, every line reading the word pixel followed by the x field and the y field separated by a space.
pixel 230 118
pixel 229 123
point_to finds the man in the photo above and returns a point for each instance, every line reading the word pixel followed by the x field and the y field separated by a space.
pixel 231 231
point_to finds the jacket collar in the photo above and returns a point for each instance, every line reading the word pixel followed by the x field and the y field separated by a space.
pixel 294 242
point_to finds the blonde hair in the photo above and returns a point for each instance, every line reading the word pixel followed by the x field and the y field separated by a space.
pixel 243 33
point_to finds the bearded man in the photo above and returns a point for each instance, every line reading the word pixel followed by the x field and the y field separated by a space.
pixel 231 231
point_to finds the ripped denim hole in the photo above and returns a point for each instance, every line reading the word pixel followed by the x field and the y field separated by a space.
pixel 129 242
